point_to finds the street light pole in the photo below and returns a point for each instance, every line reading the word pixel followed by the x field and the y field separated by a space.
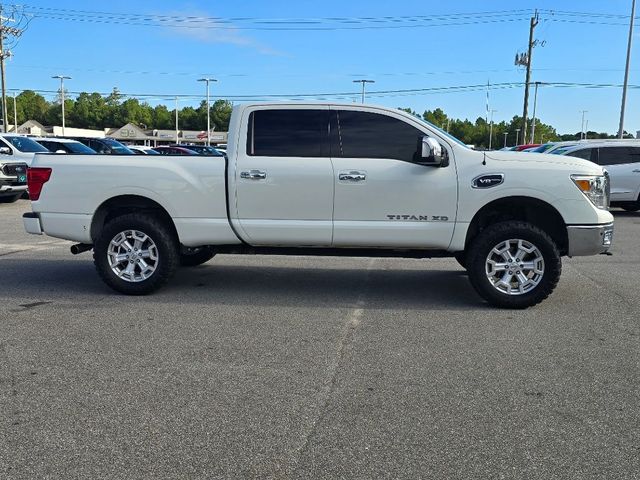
pixel 626 70
pixel 207 80
pixel 62 79
pixel 582 124
pixel 177 120
pixel 505 139
pixel 517 136
pixel 491 128
pixel 363 82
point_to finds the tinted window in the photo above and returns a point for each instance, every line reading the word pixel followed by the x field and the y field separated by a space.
pixel 25 145
pixel 616 155
pixel 584 153
pixel 372 135
pixel 288 133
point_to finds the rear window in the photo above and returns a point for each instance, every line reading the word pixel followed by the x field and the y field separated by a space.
pixel 288 133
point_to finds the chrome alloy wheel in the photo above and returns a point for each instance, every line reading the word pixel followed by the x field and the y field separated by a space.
pixel 515 267
pixel 133 256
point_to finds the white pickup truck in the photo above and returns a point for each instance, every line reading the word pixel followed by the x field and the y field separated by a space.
pixel 328 179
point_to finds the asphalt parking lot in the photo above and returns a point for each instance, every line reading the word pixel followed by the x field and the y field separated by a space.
pixel 267 367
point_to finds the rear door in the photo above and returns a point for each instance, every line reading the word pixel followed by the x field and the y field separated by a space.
pixel 623 165
pixel 283 177
pixel 382 197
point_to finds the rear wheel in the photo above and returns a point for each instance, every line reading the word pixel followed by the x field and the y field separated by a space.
pixel 193 257
pixel 514 265
pixel 136 254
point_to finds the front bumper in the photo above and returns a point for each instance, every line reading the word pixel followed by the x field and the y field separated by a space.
pixel 31 223
pixel 589 239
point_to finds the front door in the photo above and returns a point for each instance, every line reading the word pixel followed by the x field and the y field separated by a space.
pixel 284 177
pixel 382 197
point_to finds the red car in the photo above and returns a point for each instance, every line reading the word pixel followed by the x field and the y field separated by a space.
pixel 519 148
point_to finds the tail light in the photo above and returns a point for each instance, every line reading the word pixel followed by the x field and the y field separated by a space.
pixel 36 178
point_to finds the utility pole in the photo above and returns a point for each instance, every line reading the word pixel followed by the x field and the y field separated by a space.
pixel 505 139
pixel 363 82
pixel 533 121
pixel 491 128
pixel 5 31
pixel 207 80
pixel 626 70
pixel 177 120
pixel 586 130
pixel 526 61
pixel 62 78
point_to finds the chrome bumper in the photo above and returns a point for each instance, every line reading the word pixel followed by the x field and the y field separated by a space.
pixel 589 239
pixel 31 223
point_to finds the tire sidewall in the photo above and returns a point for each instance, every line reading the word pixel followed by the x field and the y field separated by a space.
pixel 161 236
pixel 498 233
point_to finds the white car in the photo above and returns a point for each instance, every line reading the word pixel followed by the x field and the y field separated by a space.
pixel 16 154
pixel 142 150
pixel 621 159
pixel 328 179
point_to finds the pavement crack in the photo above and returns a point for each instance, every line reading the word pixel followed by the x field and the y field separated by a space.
pixel 353 321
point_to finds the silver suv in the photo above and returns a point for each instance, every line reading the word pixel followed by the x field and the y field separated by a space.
pixel 622 160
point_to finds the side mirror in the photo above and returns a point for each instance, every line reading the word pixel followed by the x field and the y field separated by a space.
pixel 5 151
pixel 432 153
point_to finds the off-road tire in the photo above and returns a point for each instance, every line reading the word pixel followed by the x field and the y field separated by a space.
pixel 10 198
pixel 491 237
pixel 164 239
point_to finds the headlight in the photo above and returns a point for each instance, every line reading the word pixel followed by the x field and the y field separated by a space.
pixel 595 188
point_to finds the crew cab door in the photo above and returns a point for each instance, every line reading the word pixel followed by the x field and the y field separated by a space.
pixel 383 198
pixel 283 177
pixel 623 165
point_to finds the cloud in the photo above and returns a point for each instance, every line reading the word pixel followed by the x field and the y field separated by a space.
pixel 203 28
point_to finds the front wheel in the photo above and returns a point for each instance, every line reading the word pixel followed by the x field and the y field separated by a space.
pixel 136 254
pixel 514 265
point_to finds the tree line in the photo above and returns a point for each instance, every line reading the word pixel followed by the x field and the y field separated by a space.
pixel 95 111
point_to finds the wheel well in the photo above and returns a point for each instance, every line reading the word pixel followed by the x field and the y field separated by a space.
pixel 121 205
pixel 526 209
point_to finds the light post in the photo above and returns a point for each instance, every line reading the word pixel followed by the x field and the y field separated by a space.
pixel 207 80
pixel 62 78
pixel 582 124
pixel 535 103
pixel 505 139
pixel 363 82
pixel 491 128
pixel 517 136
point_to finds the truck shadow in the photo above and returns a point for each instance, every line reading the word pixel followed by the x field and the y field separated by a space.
pixel 251 285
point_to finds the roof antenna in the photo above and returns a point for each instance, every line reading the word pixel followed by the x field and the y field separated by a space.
pixel 484 158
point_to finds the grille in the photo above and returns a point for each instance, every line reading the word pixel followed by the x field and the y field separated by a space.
pixel 13 169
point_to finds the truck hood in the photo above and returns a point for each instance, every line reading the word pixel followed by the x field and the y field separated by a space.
pixel 578 165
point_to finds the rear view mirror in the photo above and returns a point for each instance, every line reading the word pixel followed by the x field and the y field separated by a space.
pixel 432 153
pixel 5 151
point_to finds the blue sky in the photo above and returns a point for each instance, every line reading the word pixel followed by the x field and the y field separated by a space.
pixel 249 60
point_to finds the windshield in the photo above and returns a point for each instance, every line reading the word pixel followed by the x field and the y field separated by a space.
pixel 117 147
pixel 561 150
pixel 25 145
pixel 542 148
pixel 77 147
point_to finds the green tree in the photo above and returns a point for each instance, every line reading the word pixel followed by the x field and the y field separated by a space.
pixel 31 106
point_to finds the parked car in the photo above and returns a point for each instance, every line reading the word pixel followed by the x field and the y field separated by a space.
pixel 314 179
pixel 520 148
pixel 105 146
pixel 16 154
pixel 143 150
pixel 63 145
pixel 201 149
pixel 164 150
pixel 621 159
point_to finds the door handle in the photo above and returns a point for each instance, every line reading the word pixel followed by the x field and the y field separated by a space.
pixel 352 176
pixel 636 170
pixel 254 175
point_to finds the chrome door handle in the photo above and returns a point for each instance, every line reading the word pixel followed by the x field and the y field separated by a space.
pixel 254 175
pixel 352 177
